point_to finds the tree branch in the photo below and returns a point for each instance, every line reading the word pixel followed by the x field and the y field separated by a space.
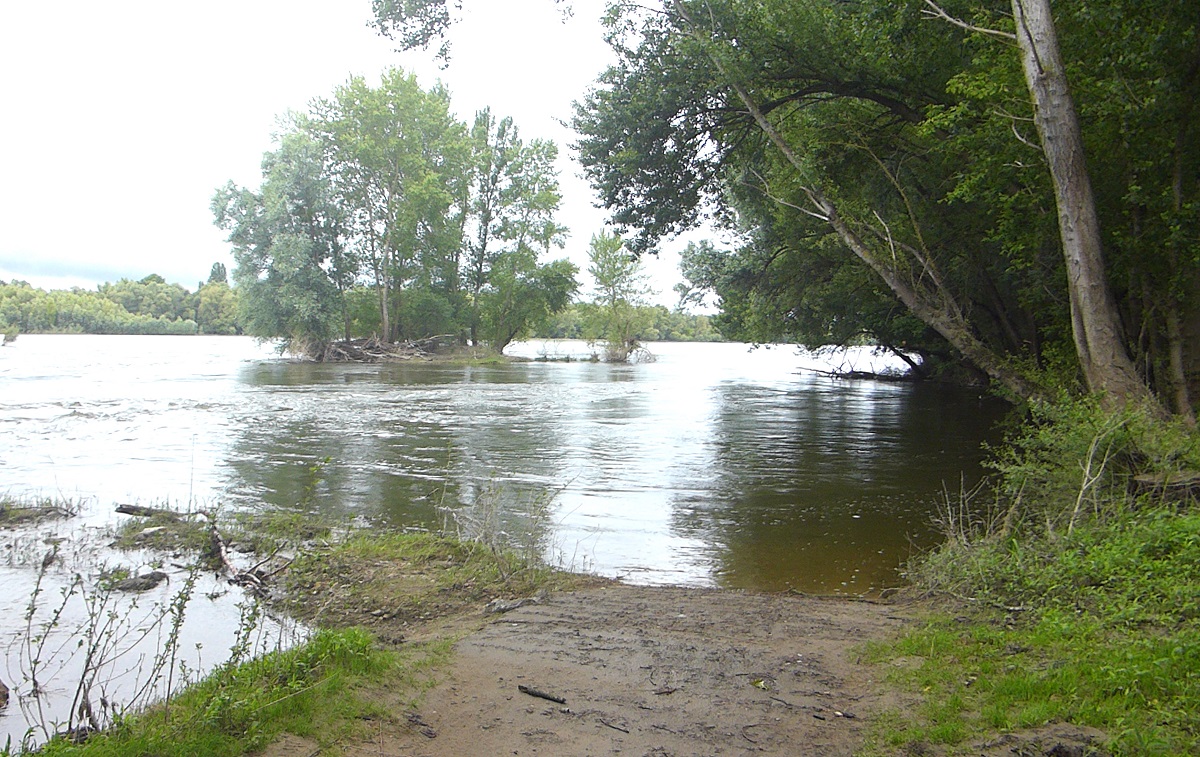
pixel 937 12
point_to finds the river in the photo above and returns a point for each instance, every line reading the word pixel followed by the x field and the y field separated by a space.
pixel 714 464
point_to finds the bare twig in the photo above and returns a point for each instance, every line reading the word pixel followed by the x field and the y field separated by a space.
pixel 613 726
pixel 937 12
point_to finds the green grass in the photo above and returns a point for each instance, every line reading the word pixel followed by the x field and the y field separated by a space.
pixel 1108 637
pixel 324 690
pixel 411 577
pixel 20 511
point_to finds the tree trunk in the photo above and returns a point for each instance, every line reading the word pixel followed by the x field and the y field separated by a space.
pixel 1103 356
pixel 936 309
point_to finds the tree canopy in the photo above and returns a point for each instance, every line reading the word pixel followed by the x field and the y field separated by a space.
pixel 382 189
pixel 884 170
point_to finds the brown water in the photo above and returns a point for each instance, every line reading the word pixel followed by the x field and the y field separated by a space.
pixel 715 464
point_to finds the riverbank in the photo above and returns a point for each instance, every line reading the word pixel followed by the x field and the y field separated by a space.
pixel 433 646
pixel 1062 618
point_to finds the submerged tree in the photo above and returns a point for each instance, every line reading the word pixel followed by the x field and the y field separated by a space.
pixel 620 294
pixel 382 187
pixel 287 240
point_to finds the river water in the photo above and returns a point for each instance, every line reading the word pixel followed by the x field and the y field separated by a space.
pixel 714 464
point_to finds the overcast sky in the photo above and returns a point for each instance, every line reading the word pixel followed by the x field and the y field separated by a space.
pixel 122 118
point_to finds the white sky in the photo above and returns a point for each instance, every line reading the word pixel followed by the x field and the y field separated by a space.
pixel 121 119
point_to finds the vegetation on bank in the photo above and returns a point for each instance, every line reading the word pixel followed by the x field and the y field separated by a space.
pixel 317 690
pixel 147 306
pixel 344 682
pixel 20 511
pixel 1073 598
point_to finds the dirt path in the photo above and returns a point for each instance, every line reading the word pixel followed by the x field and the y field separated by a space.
pixel 656 671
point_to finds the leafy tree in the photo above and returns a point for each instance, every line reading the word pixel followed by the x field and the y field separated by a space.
pixel 218 274
pixel 522 295
pixel 514 196
pixel 286 243
pixel 397 161
pixel 870 155
pixel 151 296
pixel 216 309
pixel 620 291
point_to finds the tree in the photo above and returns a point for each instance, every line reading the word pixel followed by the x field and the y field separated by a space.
pixel 1098 335
pixel 397 159
pixel 287 243
pixel 216 309
pixel 514 196
pixel 522 295
pixel 818 128
pixel 620 290
pixel 218 274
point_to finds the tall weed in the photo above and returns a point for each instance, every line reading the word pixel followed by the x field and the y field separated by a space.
pixel 1086 591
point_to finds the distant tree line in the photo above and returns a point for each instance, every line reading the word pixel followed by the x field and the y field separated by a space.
pixel 381 214
pixel 655 323
pixel 147 306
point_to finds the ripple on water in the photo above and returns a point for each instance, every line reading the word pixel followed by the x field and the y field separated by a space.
pixel 714 464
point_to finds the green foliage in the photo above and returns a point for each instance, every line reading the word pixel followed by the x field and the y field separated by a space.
pixel 522 296
pixel 310 691
pixel 284 237
pixel 660 324
pixel 920 134
pixel 1097 574
pixel 78 311
pixel 1071 467
pixel 1075 453
pixel 1109 637
pixel 382 188
pixel 620 291
pixel 151 296
pixel 217 308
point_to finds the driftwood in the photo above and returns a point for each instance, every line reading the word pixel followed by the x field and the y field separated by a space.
pixel 148 512
pixel 867 375
pixel 375 350
pixel 540 694
pixel 506 605
pixel 252 578
pixel 144 582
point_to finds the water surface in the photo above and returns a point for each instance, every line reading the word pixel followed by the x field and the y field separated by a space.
pixel 715 464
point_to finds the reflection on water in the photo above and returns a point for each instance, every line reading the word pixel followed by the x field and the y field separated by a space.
pixel 713 465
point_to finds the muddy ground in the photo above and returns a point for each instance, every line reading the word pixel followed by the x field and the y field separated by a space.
pixel 660 671
pixel 651 671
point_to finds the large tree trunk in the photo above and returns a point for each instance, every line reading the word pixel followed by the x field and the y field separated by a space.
pixel 1107 367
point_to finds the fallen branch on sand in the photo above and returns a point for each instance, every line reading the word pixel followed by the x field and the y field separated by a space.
pixel 540 694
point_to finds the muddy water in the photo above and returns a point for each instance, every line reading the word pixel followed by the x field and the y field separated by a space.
pixel 713 464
